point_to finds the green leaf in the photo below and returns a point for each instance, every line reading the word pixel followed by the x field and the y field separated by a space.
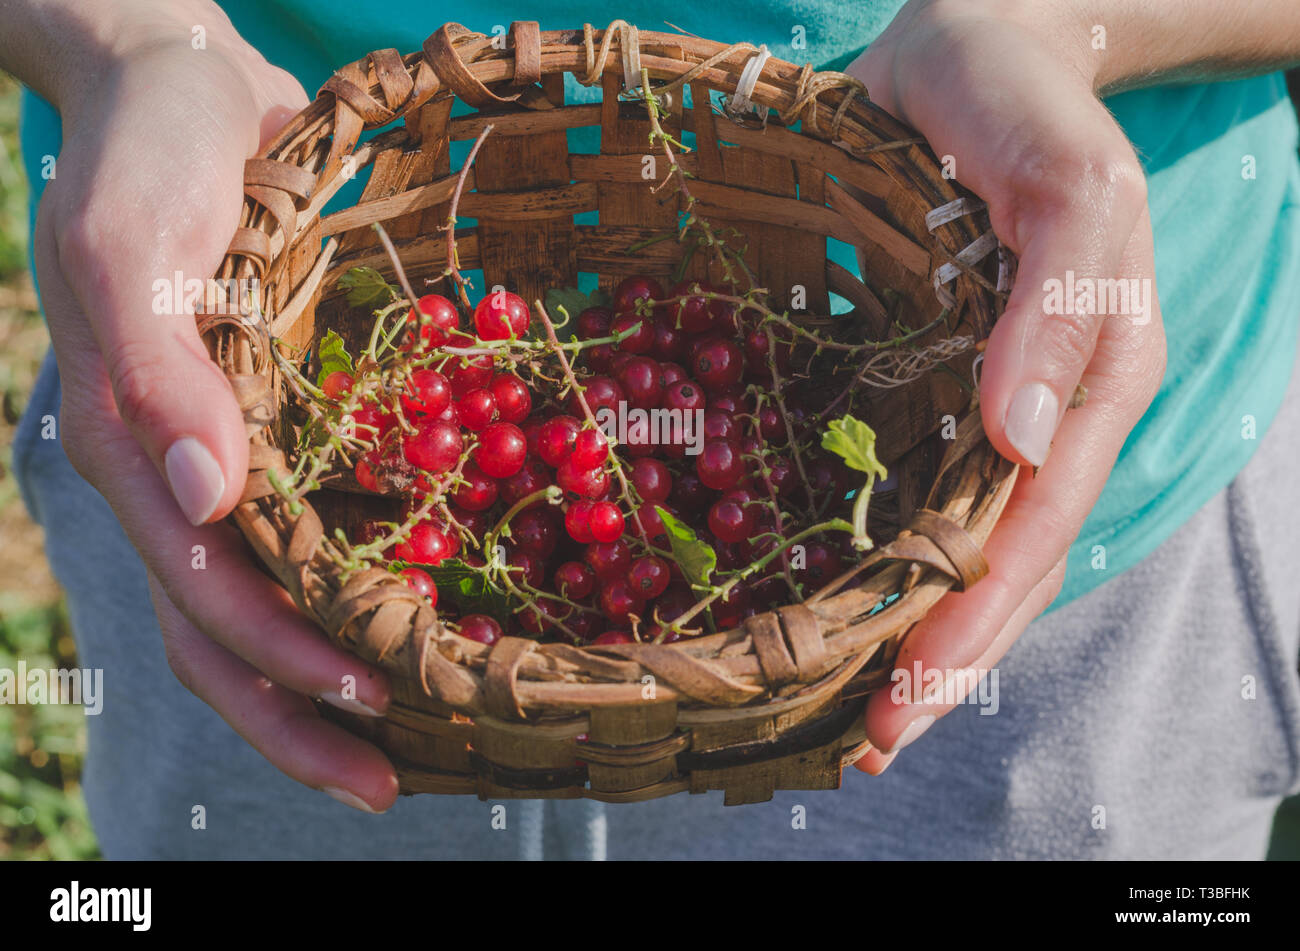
pixel 573 302
pixel 334 356
pixel 465 587
pixel 854 442
pixel 366 287
pixel 696 558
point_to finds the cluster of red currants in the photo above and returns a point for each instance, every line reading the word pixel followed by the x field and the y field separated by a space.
pixel 598 568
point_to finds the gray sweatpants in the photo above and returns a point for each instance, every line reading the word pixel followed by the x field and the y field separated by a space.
pixel 1157 717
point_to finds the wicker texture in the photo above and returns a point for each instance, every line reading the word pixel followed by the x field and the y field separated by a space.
pixel 776 704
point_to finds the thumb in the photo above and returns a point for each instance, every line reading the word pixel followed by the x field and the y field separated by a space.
pixel 1072 244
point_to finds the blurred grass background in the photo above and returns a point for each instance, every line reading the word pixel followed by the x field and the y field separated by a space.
pixel 42 812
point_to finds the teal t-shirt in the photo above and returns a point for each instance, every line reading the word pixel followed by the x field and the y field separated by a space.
pixel 1223 179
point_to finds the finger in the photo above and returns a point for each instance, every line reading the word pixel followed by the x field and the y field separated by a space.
pixel 1070 235
pixel 1045 511
pixel 280 724
pixel 903 720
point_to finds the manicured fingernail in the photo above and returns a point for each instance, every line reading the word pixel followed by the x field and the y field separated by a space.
pixel 195 478
pixel 1030 422
pixel 348 799
pixel 914 729
pixel 336 699
pixel 882 763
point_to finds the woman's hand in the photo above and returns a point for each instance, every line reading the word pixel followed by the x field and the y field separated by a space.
pixel 149 186
pixel 1006 88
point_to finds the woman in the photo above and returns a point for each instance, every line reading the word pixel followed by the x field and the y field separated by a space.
pixel 1174 626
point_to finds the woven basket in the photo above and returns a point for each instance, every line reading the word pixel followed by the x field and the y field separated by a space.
pixel 777 704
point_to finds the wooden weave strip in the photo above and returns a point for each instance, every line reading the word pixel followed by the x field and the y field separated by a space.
pixel 443 50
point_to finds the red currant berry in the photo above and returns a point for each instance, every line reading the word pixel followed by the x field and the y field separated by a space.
pixel 526 566
pixel 618 361
pixel 692 314
pixel 426 545
pixel 648 577
pixel 727 401
pixel 719 464
pixel 365 473
pixel 575 580
pixel 757 355
pixel 501 450
pixel 337 385
pixel 598 358
pixel 684 395
pixel 426 391
pixel 718 364
pixel 434 446
pixel 640 437
pixel 822 563
pixel 449 415
pixel 719 424
pixel 514 402
pixel 599 392
pixel 731 519
pixel 658 634
pixel 618 601
pixel 419 581
pixel 476 409
pixel 630 290
pixel 725 318
pixel 821 477
pixel 609 559
pixel 535 530
pixel 541 615
pixel 579 483
pixel 642 336
pixel 652 480
pixel 479 491
pixel 481 628
pixel 605 522
pixel 672 372
pixel 590 449
pixel 675 602
pixel 594 322
pixel 556 438
pixel 372 424
pixel 472 374
pixel 532 430
pixel 501 315
pixel 689 493
pixel 577 521
pixel 614 637
pixel 649 517
pixel 642 381
pixel 437 319
pixel 769 591
pixel 670 343
pixel 771 425
pixel 730 610
pixel 584 625
pixel 531 479
pixel 781 475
